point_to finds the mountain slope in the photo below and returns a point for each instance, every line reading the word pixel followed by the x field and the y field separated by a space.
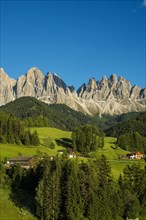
pixel 109 96
pixel 58 115
pixel 61 116
pixel 136 123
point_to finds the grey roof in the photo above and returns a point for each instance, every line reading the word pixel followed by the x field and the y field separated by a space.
pixel 20 158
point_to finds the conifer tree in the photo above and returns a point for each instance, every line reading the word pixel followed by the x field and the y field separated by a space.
pixel 74 204
pixel 35 139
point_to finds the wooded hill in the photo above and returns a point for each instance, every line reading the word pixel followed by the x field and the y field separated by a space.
pixel 37 113
pixel 136 123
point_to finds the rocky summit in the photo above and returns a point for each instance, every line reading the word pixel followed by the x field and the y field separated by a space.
pixel 109 96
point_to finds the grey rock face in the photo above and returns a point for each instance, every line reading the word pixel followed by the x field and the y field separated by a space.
pixel 7 88
pixel 123 88
pixel 30 84
pixel 108 96
pixel 135 92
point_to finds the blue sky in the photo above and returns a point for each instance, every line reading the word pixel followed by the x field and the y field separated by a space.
pixel 75 39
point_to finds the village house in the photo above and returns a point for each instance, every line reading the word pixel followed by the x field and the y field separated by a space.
pixel 25 162
pixel 70 152
pixel 138 155
pixel 135 155
pixel 61 151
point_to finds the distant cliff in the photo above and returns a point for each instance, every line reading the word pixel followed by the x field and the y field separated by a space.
pixel 108 96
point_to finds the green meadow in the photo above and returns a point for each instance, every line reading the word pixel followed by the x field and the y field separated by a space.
pixel 12 150
pixel 52 133
pixel 9 210
pixel 109 150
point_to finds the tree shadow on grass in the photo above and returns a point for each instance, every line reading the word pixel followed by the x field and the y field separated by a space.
pixel 113 147
pixel 64 142
pixel 24 199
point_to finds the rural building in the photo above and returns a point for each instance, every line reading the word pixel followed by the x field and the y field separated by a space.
pixel 61 151
pixel 135 155
pixel 71 153
pixel 25 162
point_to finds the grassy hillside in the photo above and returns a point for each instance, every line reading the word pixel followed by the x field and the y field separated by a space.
pixel 111 152
pixel 9 211
pixel 11 150
pixel 53 133
pixel 63 137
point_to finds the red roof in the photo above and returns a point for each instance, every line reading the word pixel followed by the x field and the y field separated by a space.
pixel 138 153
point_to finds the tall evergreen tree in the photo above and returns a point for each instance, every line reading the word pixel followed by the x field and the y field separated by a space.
pixel 35 139
pixel 74 204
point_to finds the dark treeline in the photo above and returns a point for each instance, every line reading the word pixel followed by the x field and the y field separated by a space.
pixel 131 133
pixel 87 138
pixel 135 124
pixel 37 113
pixel 12 130
pixel 66 189
pixel 132 141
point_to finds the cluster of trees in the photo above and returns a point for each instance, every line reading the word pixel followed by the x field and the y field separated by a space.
pixel 130 133
pixel 135 124
pixel 39 121
pixel 39 114
pixel 87 138
pixel 66 189
pixel 12 130
pixel 30 139
pixel 132 141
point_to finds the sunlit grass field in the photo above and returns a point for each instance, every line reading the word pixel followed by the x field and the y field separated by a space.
pixel 111 153
pixel 9 211
pixel 109 150
pixel 12 150
pixel 52 133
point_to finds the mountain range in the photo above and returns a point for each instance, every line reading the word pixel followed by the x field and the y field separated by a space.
pixel 111 96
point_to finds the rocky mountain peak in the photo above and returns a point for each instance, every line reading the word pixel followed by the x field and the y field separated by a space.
pixel 48 73
pixel 103 82
pixel 59 82
pixel 72 88
pixel 34 72
pixel 135 92
pixel 113 78
pixel 92 86
pixel 5 79
pixel 7 89
pixel 105 96
pixel 112 82
pixel 81 89
pixel 104 78
pixel 56 75
pixel 2 70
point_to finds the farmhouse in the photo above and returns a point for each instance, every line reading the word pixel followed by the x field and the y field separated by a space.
pixel 135 155
pixel 138 155
pixel 25 162
pixel 61 151
pixel 70 152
